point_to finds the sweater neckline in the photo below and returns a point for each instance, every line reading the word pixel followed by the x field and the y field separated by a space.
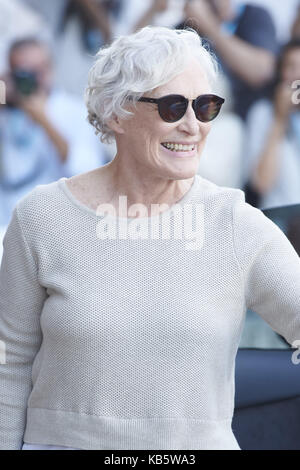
pixel 88 210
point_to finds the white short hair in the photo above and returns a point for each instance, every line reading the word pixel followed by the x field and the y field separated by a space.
pixel 135 64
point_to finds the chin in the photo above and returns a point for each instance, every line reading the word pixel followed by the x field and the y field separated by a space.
pixel 188 168
pixel 185 173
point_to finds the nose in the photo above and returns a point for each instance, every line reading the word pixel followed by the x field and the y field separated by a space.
pixel 189 123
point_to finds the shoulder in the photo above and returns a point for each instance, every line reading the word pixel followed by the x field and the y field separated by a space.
pixel 252 229
pixel 39 195
pixel 40 207
pixel 218 197
pixel 232 201
pixel 45 206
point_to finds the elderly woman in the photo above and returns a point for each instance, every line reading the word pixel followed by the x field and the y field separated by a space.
pixel 121 333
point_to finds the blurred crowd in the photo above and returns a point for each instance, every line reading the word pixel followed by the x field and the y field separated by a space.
pixel 47 49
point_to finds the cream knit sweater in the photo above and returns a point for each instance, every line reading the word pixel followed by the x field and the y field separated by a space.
pixel 130 343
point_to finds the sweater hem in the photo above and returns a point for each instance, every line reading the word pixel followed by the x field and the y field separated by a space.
pixel 91 432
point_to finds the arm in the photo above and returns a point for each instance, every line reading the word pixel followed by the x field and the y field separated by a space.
pixel 270 269
pixel 260 116
pixel 35 107
pixel 78 149
pixel 254 65
pixel 155 7
pixel 265 174
pixel 21 302
pixel 266 171
pixel 95 11
pixel 57 139
pixel 249 57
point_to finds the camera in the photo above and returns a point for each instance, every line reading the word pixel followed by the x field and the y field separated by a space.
pixel 25 81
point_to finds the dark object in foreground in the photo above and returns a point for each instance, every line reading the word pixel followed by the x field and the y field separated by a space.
pixel 267 398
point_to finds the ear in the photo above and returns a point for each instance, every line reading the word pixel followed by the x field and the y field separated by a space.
pixel 115 125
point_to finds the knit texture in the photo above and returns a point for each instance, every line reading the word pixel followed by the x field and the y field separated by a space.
pixel 131 343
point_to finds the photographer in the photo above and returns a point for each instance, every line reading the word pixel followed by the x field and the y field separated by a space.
pixel 271 163
pixel 43 131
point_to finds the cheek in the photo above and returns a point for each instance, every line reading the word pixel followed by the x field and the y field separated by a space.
pixel 134 129
pixel 160 132
pixel 206 129
pixel 146 129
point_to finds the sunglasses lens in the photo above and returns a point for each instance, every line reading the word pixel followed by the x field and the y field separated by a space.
pixel 172 108
pixel 208 107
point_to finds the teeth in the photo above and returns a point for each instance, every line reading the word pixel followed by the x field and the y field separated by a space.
pixel 178 147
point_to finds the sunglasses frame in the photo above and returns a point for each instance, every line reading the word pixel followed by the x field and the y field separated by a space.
pixel 159 102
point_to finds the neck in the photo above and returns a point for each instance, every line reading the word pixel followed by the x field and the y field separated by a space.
pixel 141 186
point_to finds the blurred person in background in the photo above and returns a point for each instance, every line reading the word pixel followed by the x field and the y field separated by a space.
pixel 19 20
pixel 222 157
pixel 156 6
pixel 161 12
pixel 295 30
pixel 272 163
pixel 79 28
pixel 2 233
pixel 95 17
pixel 221 160
pixel 244 39
pixel 96 20
pixel 44 134
pixel 283 14
pixel 52 12
pixel 136 14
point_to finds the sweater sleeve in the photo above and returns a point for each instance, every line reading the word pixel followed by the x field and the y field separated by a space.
pixel 21 301
pixel 270 268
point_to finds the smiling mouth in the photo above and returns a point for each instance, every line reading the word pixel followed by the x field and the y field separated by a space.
pixel 178 147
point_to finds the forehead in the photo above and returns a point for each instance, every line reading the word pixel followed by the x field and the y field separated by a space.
pixel 191 82
pixel 30 55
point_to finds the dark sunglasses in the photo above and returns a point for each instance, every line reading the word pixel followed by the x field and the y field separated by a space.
pixel 171 108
